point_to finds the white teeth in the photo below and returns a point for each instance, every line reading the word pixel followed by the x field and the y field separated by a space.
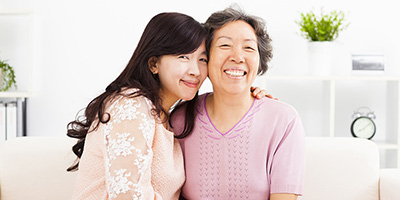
pixel 235 72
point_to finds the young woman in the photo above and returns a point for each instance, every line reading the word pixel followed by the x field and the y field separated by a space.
pixel 126 148
pixel 237 147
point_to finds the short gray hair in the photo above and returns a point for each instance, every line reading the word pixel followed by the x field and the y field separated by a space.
pixel 231 14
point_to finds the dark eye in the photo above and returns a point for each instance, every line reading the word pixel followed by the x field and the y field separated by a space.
pixel 203 60
pixel 183 56
pixel 250 48
pixel 224 45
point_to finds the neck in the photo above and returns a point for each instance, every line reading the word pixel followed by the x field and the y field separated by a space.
pixel 226 111
pixel 233 102
pixel 224 107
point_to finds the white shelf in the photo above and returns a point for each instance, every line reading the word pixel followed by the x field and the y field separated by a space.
pixel 333 78
pixel 5 12
pixel 15 12
pixel 388 146
pixel 331 83
pixel 11 16
pixel 16 94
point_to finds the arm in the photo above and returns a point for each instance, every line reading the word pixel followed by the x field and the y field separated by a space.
pixel 283 197
pixel 288 165
pixel 129 135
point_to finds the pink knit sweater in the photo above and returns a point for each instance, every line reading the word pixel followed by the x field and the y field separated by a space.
pixel 130 157
pixel 262 154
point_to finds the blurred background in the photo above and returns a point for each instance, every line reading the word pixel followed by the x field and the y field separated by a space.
pixel 65 53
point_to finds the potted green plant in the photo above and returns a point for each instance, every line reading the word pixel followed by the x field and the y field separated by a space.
pixel 7 76
pixel 320 30
pixel 323 27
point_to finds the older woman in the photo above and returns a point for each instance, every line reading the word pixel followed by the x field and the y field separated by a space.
pixel 238 147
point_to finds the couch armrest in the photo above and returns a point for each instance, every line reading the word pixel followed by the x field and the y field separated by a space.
pixel 389 185
pixel 34 168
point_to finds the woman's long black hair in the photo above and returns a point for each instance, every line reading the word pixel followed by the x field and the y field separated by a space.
pixel 165 34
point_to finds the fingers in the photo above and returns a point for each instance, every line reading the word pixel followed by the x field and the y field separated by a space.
pixel 271 97
pixel 263 93
pixel 260 93
pixel 256 92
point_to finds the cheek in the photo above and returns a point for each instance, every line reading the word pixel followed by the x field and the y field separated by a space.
pixel 215 57
pixel 168 76
pixel 204 73
pixel 255 62
pixel 172 70
pixel 214 64
pixel 219 54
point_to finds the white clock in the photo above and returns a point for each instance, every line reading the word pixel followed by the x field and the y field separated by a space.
pixel 363 127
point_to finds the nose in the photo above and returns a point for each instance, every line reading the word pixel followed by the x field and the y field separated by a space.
pixel 194 69
pixel 237 55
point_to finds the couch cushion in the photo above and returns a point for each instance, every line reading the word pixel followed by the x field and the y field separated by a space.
pixel 389 184
pixel 35 168
pixel 341 168
pixel 336 168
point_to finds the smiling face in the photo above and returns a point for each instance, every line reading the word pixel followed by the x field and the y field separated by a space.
pixel 234 58
pixel 181 75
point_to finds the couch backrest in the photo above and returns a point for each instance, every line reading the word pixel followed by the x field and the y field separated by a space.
pixel 34 168
pixel 341 169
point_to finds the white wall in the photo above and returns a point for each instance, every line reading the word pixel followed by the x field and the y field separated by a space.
pixel 82 45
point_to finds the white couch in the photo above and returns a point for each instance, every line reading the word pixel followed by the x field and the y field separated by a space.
pixel 34 168
pixel 347 169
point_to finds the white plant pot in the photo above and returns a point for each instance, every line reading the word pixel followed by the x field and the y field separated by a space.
pixel 320 58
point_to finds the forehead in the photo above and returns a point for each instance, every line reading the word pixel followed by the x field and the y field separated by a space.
pixel 236 30
pixel 201 49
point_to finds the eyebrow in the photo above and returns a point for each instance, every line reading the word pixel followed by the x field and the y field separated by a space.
pixel 224 37
pixel 253 40
pixel 227 37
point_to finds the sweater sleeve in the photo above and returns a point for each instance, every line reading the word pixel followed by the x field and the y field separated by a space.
pixel 287 175
pixel 128 140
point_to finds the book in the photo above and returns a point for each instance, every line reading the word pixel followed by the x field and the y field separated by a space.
pixel 20 117
pixel 2 123
pixel 11 120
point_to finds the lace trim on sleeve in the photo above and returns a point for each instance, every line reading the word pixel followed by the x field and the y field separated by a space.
pixel 128 140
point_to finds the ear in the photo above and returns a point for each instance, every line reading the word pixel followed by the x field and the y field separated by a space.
pixel 153 66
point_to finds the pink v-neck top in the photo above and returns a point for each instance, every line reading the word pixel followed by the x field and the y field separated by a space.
pixel 263 153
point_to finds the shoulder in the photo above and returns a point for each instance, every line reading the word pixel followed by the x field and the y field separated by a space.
pixel 179 114
pixel 128 106
pixel 281 119
pixel 276 108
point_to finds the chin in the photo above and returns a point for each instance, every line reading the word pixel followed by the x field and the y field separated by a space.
pixel 188 97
